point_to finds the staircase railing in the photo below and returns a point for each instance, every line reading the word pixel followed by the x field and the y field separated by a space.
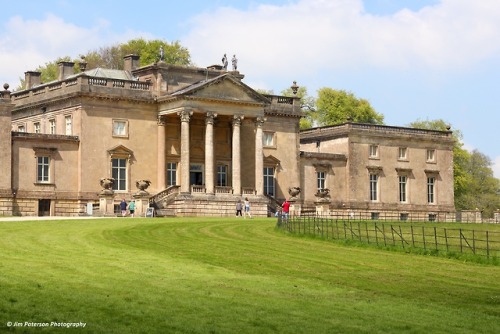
pixel 164 197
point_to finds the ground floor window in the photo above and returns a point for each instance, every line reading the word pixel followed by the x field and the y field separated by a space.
pixel 373 187
pixel 119 173
pixel 196 174
pixel 43 166
pixel 171 173
pixel 269 185
pixel 321 180
pixel 431 182
pixel 222 175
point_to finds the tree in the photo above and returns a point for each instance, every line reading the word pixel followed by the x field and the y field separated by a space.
pixel 112 56
pixel 474 183
pixel 338 106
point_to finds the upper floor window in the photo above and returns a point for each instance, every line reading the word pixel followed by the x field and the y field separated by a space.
pixel 373 151
pixel 431 155
pixel 268 139
pixel 37 128
pixel 21 128
pixel 52 126
pixel 403 153
pixel 120 128
pixel 69 125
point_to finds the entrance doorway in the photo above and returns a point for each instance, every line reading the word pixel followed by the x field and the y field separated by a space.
pixel 43 207
pixel 196 174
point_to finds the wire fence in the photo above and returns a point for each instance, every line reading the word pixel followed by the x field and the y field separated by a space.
pixel 433 239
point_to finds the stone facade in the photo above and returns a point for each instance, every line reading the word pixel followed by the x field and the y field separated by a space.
pixel 202 139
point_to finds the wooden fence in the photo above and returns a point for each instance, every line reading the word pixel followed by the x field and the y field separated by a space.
pixel 433 239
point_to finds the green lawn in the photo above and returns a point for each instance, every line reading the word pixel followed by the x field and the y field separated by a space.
pixel 213 275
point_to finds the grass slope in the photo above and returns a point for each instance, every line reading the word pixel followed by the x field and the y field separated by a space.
pixel 213 275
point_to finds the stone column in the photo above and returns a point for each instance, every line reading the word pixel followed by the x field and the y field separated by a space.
pixel 209 152
pixel 185 116
pixel 161 154
pixel 259 157
pixel 236 155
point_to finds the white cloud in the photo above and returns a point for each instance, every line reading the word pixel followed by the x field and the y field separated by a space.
pixel 27 44
pixel 310 36
pixel 496 167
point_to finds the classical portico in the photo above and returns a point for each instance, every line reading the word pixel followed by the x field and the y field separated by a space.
pixel 210 118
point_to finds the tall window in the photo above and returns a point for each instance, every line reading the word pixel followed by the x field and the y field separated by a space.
pixel 171 173
pixel 37 127
pixel 69 125
pixel 402 188
pixel 119 173
pixel 52 126
pixel 373 151
pixel 269 187
pixel 43 169
pixel 222 175
pixel 431 183
pixel 321 180
pixel 373 187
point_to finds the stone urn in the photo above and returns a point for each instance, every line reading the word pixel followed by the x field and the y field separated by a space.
pixel 293 192
pixel 323 195
pixel 107 185
pixel 142 185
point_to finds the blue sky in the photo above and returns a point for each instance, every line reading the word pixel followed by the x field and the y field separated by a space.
pixel 412 59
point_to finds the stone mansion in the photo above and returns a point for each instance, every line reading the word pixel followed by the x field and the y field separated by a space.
pixel 194 141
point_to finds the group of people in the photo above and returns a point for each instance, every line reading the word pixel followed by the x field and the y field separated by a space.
pixel 130 207
pixel 243 206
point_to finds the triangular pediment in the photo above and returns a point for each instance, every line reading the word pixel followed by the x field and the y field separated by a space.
pixel 224 88
pixel 120 150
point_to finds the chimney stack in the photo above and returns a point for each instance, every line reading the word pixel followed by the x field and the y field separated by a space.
pixel 66 68
pixel 32 79
pixel 130 62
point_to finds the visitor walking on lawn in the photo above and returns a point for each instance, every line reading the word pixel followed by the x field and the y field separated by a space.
pixel 247 208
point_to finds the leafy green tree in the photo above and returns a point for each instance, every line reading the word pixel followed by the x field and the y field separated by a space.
pixel 339 106
pixel 474 183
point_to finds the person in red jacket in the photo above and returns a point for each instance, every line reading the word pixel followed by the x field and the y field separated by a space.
pixel 286 209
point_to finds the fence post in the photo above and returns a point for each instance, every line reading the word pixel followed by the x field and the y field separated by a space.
pixel 383 232
pixel 487 245
pixel 367 235
pixel 401 236
pixel 412 237
pixel 461 248
pixel 446 239
pixel 473 242
pixel 423 237
pixel 435 238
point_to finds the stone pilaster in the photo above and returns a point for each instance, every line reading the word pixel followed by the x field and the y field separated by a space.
pixel 209 152
pixel 161 154
pixel 236 149
pixel 259 156
pixel 185 116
